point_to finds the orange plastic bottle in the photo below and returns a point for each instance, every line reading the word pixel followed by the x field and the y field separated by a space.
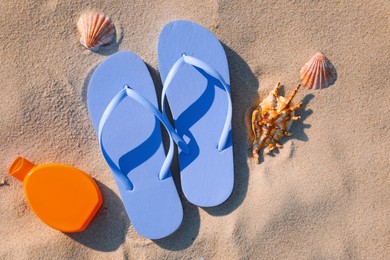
pixel 62 196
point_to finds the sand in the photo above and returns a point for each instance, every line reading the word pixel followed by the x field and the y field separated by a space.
pixel 324 195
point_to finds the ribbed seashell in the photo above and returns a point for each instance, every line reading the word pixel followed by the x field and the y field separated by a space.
pixel 271 120
pixel 96 29
pixel 318 72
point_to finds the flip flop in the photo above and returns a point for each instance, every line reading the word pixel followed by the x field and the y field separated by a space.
pixel 194 70
pixel 122 105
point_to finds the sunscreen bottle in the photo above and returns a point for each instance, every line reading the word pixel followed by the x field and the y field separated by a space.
pixel 62 196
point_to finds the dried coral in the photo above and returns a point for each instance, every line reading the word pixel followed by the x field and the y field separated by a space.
pixel 271 120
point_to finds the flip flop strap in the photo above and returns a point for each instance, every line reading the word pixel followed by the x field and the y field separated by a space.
pixel 173 136
pixel 197 63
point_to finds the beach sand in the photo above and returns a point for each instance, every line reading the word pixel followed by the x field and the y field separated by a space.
pixel 324 195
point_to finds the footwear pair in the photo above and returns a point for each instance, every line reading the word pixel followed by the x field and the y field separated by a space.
pixel 123 106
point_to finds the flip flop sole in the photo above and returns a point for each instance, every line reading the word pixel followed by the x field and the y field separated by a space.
pixel 132 138
pixel 198 104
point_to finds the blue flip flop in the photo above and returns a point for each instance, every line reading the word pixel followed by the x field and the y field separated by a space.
pixel 122 105
pixel 195 73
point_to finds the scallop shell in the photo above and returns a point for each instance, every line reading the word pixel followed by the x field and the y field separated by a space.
pixel 96 29
pixel 271 121
pixel 318 72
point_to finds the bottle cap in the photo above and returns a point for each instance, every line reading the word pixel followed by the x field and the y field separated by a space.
pixel 20 167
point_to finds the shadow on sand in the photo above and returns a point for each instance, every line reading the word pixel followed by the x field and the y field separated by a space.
pixel 107 231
